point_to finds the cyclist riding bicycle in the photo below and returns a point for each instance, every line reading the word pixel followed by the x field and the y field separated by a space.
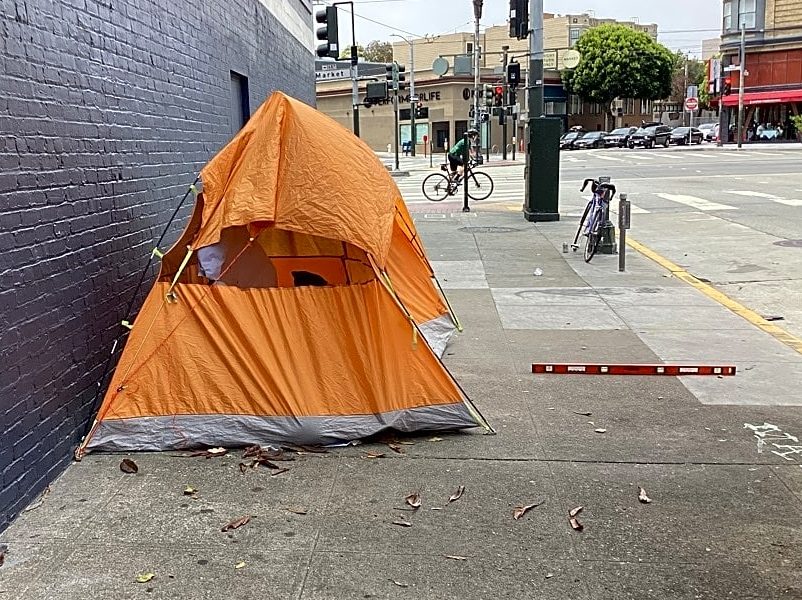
pixel 455 155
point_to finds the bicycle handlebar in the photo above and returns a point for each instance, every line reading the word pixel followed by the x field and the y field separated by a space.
pixel 596 186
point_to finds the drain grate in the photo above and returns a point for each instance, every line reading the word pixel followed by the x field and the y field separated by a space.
pixel 789 243
pixel 474 229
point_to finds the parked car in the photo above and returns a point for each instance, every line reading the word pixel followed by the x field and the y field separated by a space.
pixel 708 131
pixel 650 136
pixel 679 135
pixel 568 139
pixel 619 137
pixel 592 139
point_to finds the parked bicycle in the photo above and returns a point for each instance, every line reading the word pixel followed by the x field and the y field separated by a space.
pixel 439 186
pixel 595 215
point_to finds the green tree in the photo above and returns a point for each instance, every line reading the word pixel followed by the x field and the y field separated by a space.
pixel 619 62
pixel 696 73
pixel 375 51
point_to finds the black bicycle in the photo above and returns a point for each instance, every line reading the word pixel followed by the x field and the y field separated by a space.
pixel 439 186
pixel 594 217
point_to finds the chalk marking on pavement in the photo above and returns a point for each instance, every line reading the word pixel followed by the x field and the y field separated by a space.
pixel 694 202
pixel 778 333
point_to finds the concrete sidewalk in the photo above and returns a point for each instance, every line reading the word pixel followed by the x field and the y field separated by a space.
pixel 724 521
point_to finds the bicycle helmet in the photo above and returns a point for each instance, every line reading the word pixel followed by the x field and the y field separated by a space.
pixel 472 131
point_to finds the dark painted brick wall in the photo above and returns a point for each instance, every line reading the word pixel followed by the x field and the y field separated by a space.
pixel 108 108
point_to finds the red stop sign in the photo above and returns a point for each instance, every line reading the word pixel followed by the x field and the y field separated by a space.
pixel 691 104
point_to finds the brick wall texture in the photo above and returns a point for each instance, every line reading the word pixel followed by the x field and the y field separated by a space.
pixel 108 109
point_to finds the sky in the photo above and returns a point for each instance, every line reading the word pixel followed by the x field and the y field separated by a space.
pixel 682 24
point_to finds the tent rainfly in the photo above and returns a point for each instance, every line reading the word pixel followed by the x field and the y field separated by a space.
pixel 297 306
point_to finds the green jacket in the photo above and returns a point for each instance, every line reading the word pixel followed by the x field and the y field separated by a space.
pixel 458 149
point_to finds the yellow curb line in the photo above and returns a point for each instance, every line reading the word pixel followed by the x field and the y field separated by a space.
pixel 739 309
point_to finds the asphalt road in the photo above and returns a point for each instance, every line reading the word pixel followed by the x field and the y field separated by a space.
pixel 733 218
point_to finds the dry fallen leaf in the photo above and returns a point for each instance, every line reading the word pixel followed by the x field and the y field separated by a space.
pixel 236 523
pixel 643 497
pixel 399 583
pixel 600 430
pixel 413 500
pixel 217 451
pixel 520 511
pixel 145 577
pixel 549 575
pixel 190 491
pixel 396 448
pixel 436 439
pixel 584 414
pixel 402 523
pixel 575 511
pixel 297 511
pixel 2 555
pixel 577 526
pixel 240 564
pixel 374 455
pixel 128 466
pixel 243 467
pixel 452 557
pixel 457 495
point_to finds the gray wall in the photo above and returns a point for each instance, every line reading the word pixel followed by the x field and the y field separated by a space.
pixel 108 108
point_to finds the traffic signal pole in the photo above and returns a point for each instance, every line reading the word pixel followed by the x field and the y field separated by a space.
pixel 504 49
pixel 354 75
pixel 542 172
pixel 741 86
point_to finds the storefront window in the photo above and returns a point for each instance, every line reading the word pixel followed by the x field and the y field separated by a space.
pixel 727 16
pixel 575 107
pixel 746 14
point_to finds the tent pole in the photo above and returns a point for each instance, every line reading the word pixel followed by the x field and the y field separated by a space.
pixel 448 304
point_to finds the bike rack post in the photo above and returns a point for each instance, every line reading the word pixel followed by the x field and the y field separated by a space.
pixel 624 223
pixel 466 156
pixel 607 245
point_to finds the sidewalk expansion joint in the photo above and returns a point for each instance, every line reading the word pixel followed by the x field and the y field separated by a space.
pixel 546 461
pixel 778 333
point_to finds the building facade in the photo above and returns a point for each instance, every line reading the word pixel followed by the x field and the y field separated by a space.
pixel 773 66
pixel 109 110
pixel 447 99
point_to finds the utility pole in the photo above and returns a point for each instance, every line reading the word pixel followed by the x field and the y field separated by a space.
pixel 477 13
pixel 742 85
pixel 507 95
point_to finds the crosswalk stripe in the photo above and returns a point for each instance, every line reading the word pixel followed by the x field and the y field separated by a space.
pixel 671 156
pixel 694 202
pixel 772 197
pixel 610 158
pixel 640 156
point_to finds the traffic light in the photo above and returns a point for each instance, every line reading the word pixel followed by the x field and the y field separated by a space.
pixel 400 77
pixel 327 17
pixel 376 91
pixel 498 95
pixel 726 89
pixel 513 74
pixel 488 91
pixel 519 19
pixel 389 72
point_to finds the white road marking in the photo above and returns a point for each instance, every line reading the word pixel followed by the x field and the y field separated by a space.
pixel 694 202
pixel 671 156
pixel 640 156
pixel 602 157
pixel 753 152
pixel 772 197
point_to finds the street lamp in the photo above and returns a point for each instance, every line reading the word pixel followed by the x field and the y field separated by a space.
pixel 412 101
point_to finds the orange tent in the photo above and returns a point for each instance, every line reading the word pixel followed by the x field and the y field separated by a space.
pixel 298 305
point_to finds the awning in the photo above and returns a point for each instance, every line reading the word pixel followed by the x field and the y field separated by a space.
pixel 752 98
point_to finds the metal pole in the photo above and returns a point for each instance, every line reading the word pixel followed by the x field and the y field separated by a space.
pixel 477 9
pixel 504 49
pixel 395 118
pixel 534 90
pixel 466 156
pixel 355 81
pixel 741 85
pixel 412 103
pixel 623 224
pixel 514 103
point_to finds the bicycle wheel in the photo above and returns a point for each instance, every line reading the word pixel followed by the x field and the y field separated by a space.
pixel 591 245
pixel 436 187
pixel 480 185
